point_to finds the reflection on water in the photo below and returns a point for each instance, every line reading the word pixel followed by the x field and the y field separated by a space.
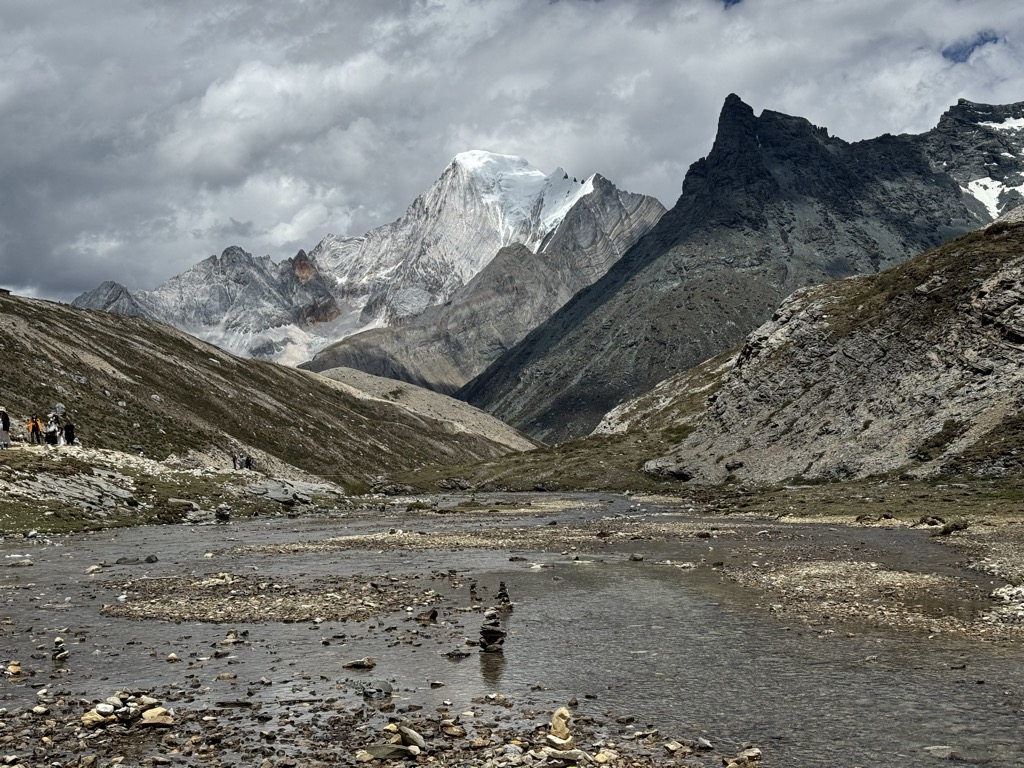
pixel 492 665
pixel 656 647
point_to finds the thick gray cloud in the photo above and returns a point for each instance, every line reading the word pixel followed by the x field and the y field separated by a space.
pixel 139 136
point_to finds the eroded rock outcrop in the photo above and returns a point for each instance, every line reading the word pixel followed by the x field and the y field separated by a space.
pixel 777 204
pixel 917 370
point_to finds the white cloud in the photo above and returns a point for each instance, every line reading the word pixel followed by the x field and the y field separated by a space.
pixel 140 136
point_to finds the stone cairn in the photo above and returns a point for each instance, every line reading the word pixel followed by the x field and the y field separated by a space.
pixel 492 636
pixel 60 651
pixel 504 602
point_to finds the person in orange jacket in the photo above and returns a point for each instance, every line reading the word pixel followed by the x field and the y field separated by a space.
pixel 35 430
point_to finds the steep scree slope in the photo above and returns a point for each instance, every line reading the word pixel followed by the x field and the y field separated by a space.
pixel 917 370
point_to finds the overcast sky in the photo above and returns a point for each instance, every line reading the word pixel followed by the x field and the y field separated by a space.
pixel 140 136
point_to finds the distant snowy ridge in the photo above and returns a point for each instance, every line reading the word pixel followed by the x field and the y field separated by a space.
pixel 289 310
pixel 993 193
pixel 1010 124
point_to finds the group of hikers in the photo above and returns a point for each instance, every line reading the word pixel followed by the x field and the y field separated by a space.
pixel 58 429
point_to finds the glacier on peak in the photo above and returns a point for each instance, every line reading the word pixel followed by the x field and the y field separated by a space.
pixel 477 160
pixel 520 196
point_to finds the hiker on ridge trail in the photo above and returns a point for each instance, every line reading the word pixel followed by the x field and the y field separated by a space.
pixel 35 430
pixel 53 430
pixel 5 429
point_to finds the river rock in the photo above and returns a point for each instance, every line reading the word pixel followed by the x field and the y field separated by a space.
pixel 164 721
pixel 676 748
pixel 390 751
pixel 378 689
pixel 367 662
pixel 747 757
pixel 558 743
pixel 411 737
pixel 565 755
pixel 559 727
pixel 93 719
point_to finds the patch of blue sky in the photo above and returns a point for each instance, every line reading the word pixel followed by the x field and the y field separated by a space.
pixel 961 51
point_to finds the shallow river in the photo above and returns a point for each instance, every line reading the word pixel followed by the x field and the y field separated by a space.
pixel 680 650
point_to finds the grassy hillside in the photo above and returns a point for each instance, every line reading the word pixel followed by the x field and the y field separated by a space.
pixel 137 386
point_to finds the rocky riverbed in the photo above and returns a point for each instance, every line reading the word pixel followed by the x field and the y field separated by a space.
pixel 354 637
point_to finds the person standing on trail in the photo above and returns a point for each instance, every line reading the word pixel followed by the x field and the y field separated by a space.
pixel 53 431
pixel 35 430
pixel 5 429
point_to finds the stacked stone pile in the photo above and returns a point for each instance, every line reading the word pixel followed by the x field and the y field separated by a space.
pixel 504 601
pixel 60 651
pixel 492 636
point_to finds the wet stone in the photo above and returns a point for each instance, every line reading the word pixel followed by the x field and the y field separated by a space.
pixel 390 751
pixel 412 738
pixel 364 663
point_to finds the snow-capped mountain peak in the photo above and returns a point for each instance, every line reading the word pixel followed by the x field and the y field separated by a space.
pixel 482 202
pixel 524 203
pixel 560 194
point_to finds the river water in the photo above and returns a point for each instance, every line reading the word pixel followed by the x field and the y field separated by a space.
pixel 680 650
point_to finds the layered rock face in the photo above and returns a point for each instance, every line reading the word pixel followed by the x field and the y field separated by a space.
pixel 287 312
pixel 917 370
pixel 446 345
pixel 777 204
